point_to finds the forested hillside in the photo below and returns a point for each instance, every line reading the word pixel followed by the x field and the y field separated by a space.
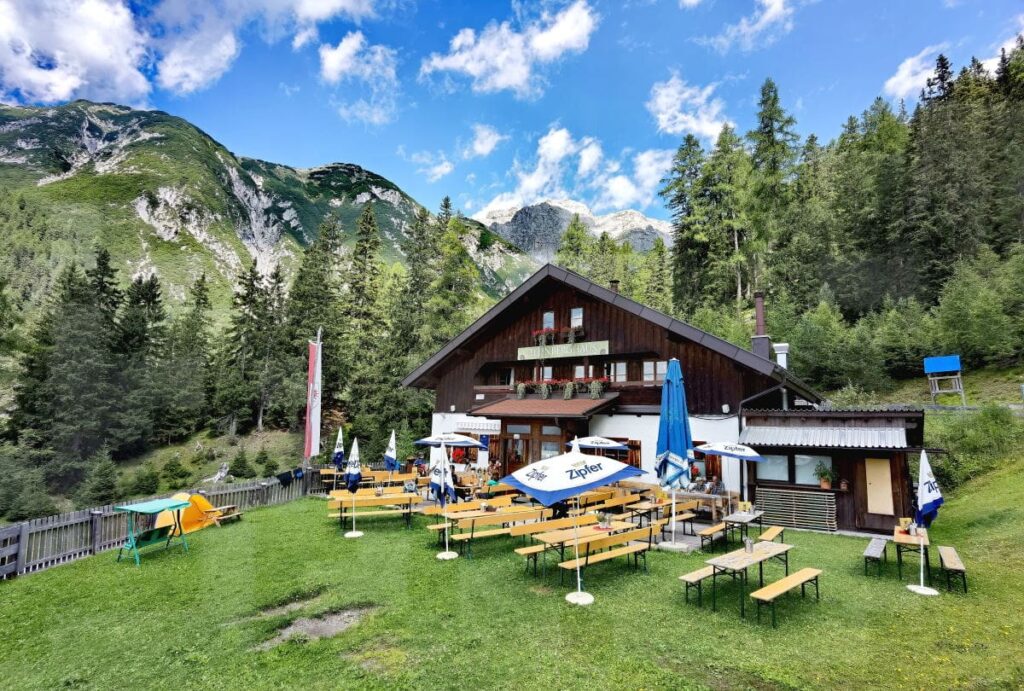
pixel 899 239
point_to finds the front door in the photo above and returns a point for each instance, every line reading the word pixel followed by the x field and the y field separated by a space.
pixel 527 441
pixel 879 486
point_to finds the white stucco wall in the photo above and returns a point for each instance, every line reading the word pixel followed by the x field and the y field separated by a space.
pixel 645 428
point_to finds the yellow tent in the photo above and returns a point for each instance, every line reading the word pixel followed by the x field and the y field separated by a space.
pixel 199 514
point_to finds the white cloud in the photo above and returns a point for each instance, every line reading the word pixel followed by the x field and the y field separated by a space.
pixel 679 107
pixel 197 61
pixel 63 49
pixel 502 58
pixel 689 4
pixel 770 20
pixel 433 166
pixel 375 66
pixel 485 140
pixel 565 166
pixel 912 74
pixel 1008 45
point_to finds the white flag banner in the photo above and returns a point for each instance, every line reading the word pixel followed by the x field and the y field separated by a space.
pixel 313 394
pixel 929 497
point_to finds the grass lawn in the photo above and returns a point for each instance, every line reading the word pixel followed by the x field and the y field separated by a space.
pixel 193 620
pixel 982 386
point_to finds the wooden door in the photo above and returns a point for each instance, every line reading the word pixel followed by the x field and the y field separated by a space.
pixel 878 474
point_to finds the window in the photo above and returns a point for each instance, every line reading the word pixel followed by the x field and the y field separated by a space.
pixel 507 377
pixel 583 372
pixel 549 449
pixel 517 429
pixel 544 372
pixel 551 431
pixel 616 371
pixel 805 466
pixel 576 317
pixel 548 320
pixel 773 468
pixel 655 371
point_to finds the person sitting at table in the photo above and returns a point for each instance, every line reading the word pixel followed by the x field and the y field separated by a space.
pixel 715 486
pixel 560 509
pixel 494 480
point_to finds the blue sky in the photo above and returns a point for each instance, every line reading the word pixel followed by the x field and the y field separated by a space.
pixel 495 103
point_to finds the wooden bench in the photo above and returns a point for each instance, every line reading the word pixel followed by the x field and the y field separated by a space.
pixel 221 514
pixel 349 507
pixel 951 565
pixel 621 503
pixel 771 532
pixel 475 505
pixel 617 545
pixel 771 592
pixel 470 526
pixel 710 534
pixel 533 552
pixel 876 552
pixel 695 580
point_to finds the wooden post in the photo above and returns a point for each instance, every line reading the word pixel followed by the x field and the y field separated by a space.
pixel 264 493
pixel 22 549
pixel 96 534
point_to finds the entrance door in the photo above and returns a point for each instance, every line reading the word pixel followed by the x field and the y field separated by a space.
pixel 879 481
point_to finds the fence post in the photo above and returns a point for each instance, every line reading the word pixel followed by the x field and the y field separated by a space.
pixel 264 492
pixel 19 567
pixel 97 524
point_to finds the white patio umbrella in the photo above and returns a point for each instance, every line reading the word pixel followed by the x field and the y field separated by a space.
pixel 741 452
pixel 603 443
pixel 560 477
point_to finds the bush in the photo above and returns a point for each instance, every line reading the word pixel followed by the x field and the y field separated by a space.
pixel 100 486
pixel 175 473
pixel 268 464
pixel 240 467
pixel 147 480
pixel 974 442
pixel 31 502
pixel 970 317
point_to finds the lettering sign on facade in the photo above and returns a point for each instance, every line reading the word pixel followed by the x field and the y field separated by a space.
pixel 564 350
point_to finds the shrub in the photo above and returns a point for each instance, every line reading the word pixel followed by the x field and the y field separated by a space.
pixel 31 502
pixel 100 487
pixel 175 473
pixel 240 467
pixel 974 442
pixel 268 464
pixel 147 480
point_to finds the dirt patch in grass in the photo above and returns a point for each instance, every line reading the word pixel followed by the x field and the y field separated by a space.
pixel 322 626
pixel 541 590
pixel 380 658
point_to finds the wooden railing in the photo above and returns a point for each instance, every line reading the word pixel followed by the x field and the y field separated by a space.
pixel 43 543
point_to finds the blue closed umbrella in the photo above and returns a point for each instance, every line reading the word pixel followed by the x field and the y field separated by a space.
pixel 675 442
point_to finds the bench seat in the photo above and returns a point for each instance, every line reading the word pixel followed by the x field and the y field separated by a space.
pixel 771 592
pixel 771 532
pixel 480 533
pixel 876 552
pixel 695 579
pixel 710 534
pixel 358 514
pixel 951 565
pixel 604 556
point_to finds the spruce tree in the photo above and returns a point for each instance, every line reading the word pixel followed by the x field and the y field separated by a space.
pixel 239 467
pixel 575 247
pixel 689 243
pixel 100 487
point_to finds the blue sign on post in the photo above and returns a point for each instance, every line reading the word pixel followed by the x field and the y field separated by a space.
pixel 941 363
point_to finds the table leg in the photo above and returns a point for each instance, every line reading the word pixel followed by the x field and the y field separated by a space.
pixel 714 588
pixel 760 572
pixel 743 589
pixel 899 561
pixel 181 531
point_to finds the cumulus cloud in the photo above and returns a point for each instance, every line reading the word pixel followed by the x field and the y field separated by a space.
pixel 679 107
pixel 502 57
pixel 1008 45
pixel 433 166
pixel 63 49
pixel 566 166
pixel 771 19
pixel 56 50
pixel 689 4
pixel 373 66
pixel 485 140
pixel 912 74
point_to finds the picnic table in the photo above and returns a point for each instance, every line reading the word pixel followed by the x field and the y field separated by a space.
pixel 743 519
pixel 152 536
pixel 737 562
pixel 716 501
pixel 905 542
pixel 649 509
pixel 405 500
pixel 560 539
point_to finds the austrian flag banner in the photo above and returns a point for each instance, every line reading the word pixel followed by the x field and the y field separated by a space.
pixel 313 394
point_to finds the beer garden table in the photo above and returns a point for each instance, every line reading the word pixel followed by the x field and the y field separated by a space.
pixel 737 562
pixel 905 542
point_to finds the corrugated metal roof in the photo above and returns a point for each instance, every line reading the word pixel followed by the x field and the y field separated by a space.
pixel 839 437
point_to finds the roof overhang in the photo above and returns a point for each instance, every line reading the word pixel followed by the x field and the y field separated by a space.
pixel 536 407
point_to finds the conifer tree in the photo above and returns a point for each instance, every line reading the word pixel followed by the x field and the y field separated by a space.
pixel 575 247
pixel 100 487
pixel 689 242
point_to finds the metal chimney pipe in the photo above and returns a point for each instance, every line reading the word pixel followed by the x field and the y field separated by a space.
pixel 760 329
pixel 781 354
pixel 614 285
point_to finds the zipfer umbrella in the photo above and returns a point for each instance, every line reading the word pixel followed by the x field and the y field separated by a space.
pixel 602 443
pixel 560 477
pixel 675 442
pixel 728 449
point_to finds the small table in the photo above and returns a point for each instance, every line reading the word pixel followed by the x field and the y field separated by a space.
pixel 405 500
pixel 743 519
pixel 737 562
pixel 561 538
pixel 648 509
pixel 154 535
pixel 905 542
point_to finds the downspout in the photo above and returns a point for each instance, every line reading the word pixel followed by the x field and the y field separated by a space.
pixel 739 424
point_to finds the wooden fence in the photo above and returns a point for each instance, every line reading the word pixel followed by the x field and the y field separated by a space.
pixel 43 543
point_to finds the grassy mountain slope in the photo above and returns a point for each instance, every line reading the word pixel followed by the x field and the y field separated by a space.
pixel 163 196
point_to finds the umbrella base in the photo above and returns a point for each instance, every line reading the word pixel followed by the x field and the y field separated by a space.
pixel 446 556
pixel 580 598
pixel 354 533
pixel 922 590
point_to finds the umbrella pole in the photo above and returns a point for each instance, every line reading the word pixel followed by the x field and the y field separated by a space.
pixel 921 589
pixel 579 597
pixel 354 532
pixel 447 553
pixel 673 515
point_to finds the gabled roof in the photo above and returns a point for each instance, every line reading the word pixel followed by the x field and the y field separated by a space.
pixel 584 285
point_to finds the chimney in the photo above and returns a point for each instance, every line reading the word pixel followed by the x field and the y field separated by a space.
pixel 781 354
pixel 614 285
pixel 760 343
